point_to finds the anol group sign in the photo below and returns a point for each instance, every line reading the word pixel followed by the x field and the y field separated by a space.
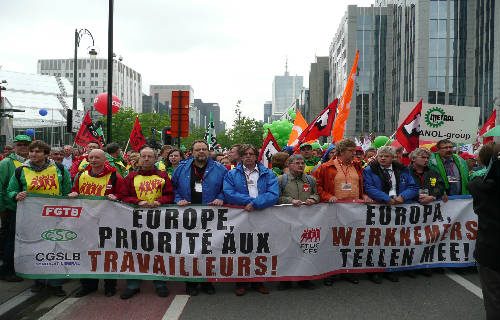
pixel 456 123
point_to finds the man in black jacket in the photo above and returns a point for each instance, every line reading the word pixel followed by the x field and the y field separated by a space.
pixel 485 191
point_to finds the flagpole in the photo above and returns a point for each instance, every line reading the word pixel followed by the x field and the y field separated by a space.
pixel 126 147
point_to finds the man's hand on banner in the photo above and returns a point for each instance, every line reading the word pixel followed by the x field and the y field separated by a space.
pixel 332 199
pixel 111 197
pixel 425 199
pixel 216 202
pixel 73 194
pixel 399 200
pixel 183 203
pixel 310 201
pixel 21 196
pixel 249 207
pixel 296 203
pixel 445 198
pixel 367 199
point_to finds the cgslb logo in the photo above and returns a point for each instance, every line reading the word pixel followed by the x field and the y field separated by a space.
pixel 309 240
pixel 61 211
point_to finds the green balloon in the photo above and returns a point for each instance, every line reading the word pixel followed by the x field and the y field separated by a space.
pixel 380 141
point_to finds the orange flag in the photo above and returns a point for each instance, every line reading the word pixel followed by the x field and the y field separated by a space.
pixel 345 103
pixel 298 126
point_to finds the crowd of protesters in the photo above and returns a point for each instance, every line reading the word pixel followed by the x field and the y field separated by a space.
pixel 343 172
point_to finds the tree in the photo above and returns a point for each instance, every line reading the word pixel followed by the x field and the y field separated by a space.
pixel 124 119
pixel 245 129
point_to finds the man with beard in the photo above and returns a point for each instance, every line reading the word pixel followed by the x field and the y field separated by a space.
pixel 199 180
pixel 8 206
pixel 452 169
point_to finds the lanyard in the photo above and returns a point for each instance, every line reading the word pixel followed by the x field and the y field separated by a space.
pixel 342 169
pixel 248 175
pixel 198 175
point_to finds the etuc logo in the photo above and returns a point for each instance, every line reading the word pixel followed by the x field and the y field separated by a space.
pixel 310 239
pixel 436 117
pixel 59 235
pixel 311 235
pixel 61 211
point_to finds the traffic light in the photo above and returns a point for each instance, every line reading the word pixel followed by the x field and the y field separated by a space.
pixel 167 136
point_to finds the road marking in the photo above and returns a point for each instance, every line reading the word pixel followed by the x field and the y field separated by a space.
pixel 15 301
pixel 58 309
pixel 465 283
pixel 176 307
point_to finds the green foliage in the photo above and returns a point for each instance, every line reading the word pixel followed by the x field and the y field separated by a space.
pixel 123 122
pixel 245 130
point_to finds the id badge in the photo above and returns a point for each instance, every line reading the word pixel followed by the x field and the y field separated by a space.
pixel 452 179
pixel 306 187
pixel 198 187
pixel 345 186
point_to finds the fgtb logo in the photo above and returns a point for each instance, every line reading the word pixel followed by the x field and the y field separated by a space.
pixel 61 211
pixel 310 239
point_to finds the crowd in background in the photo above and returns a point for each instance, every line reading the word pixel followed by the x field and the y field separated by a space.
pixel 342 172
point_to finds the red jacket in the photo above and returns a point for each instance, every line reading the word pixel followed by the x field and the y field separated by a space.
pixel 127 192
pixel 112 186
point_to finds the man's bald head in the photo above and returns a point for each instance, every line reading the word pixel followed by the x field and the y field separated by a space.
pixel 97 158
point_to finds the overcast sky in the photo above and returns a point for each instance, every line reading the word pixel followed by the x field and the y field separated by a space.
pixel 226 50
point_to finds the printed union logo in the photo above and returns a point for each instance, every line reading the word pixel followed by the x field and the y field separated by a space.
pixel 310 235
pixel 61 211
pixel 436 117
pixel 309 241
pixel 59 235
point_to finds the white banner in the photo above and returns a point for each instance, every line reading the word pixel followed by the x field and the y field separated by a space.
pixel 456 123
pixel 86 238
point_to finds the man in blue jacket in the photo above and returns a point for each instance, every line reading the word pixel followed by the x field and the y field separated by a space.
pixel 199 180
pixel 253 186
pixel 387 181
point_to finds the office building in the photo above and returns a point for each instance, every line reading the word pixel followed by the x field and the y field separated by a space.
pixel 205 109
pixel 319 76
pixel 440 51
pixel 286 89
pixel 92 79
pixel 268 111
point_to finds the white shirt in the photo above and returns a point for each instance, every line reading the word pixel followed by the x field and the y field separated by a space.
pixel 393 191
pixel 252 177
pixel 67 162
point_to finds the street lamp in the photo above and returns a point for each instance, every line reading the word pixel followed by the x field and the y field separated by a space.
pixel 92 52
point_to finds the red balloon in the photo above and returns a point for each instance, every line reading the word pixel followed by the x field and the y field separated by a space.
pixel 101 103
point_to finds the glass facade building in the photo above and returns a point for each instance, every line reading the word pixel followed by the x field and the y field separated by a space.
pixel 441 51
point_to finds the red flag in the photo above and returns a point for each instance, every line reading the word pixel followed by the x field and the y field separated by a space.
pixel 408 132
pixel 321 126
pixel 269 148
pixel 137 139
pixel 88 132
pixel 489 124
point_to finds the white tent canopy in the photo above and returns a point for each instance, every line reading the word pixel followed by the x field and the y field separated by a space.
pixel 33 92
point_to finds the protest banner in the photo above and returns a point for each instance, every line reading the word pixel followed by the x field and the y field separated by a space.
pixel 88 238
pixel 456 123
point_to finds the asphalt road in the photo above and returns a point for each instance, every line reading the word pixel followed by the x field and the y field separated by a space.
pixel 453 295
